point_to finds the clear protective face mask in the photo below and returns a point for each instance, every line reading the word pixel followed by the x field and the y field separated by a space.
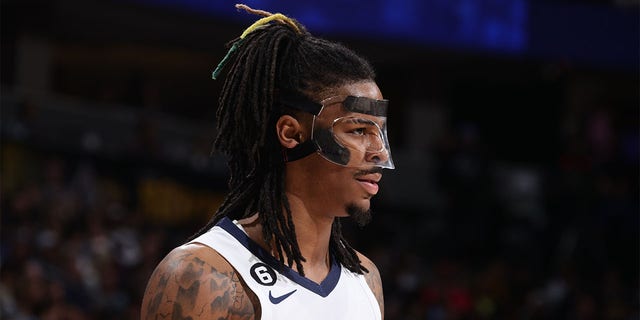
pixel 357 139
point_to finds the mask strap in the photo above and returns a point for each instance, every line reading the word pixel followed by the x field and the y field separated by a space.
pixel 297 101
pixel 300 151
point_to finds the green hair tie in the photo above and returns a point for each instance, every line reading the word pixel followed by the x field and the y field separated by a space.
pixel 220 66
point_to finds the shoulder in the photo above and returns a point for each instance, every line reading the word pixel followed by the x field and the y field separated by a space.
pixel 194 281
pixel 373 276
pixel 373 279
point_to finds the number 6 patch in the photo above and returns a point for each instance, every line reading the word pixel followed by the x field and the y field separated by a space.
pixel 263 274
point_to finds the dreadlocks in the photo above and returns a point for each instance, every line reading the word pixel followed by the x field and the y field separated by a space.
pixel 269 59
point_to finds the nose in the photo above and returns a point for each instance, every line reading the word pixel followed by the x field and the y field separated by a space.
pixel 377 157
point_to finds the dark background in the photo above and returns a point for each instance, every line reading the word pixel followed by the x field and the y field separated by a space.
pixel 513 123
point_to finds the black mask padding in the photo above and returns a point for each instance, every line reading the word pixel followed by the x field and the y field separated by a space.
pixel 332 150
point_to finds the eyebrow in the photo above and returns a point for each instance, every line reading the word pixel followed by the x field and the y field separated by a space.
pixel 360 121
pixel 354 119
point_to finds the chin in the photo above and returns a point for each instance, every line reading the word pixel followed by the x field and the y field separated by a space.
pixel 361 215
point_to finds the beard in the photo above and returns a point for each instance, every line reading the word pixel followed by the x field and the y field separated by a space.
pixel 361 216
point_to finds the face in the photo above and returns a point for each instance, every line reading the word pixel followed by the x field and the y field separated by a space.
pixel 339 190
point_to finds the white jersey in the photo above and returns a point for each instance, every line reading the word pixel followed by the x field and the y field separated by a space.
pixel 284 293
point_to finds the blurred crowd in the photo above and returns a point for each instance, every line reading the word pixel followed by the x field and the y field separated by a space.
pixel 73 246
pixel 81 234
pixel 507 241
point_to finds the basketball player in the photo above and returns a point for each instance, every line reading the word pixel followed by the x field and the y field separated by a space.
pixel 303 125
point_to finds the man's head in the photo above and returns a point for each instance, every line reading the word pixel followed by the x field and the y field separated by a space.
pixel 273 63
pixel 258 126
pixel 337 188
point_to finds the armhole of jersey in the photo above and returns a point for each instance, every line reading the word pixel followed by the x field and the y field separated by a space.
pixel 370 294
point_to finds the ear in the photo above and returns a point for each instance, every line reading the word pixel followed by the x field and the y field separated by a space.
pixel 289 131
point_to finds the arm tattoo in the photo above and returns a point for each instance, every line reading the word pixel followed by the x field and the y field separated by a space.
pixel 189 282
pixel 190 288
pixel 375 283
pixel 237 298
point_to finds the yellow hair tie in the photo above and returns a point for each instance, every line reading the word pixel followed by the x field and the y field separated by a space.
pixel 265 20
pixel 256 25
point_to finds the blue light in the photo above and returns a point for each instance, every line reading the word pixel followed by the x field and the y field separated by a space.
pixel 480 24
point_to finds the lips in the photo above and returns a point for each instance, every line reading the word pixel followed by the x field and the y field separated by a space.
pixel 370 182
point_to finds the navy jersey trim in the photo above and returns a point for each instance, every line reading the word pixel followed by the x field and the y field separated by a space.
pixel 323 289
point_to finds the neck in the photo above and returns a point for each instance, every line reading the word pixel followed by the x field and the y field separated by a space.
pixel 313 233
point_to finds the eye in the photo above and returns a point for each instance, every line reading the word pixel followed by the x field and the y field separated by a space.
pixel 359 131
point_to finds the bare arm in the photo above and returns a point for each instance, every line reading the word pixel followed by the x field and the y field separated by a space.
pixel 373 280
pixel 195 282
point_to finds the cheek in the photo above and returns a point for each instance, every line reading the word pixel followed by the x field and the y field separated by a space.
pixel 332 179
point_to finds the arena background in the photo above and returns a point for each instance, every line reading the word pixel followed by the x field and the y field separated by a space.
pixel 514 127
